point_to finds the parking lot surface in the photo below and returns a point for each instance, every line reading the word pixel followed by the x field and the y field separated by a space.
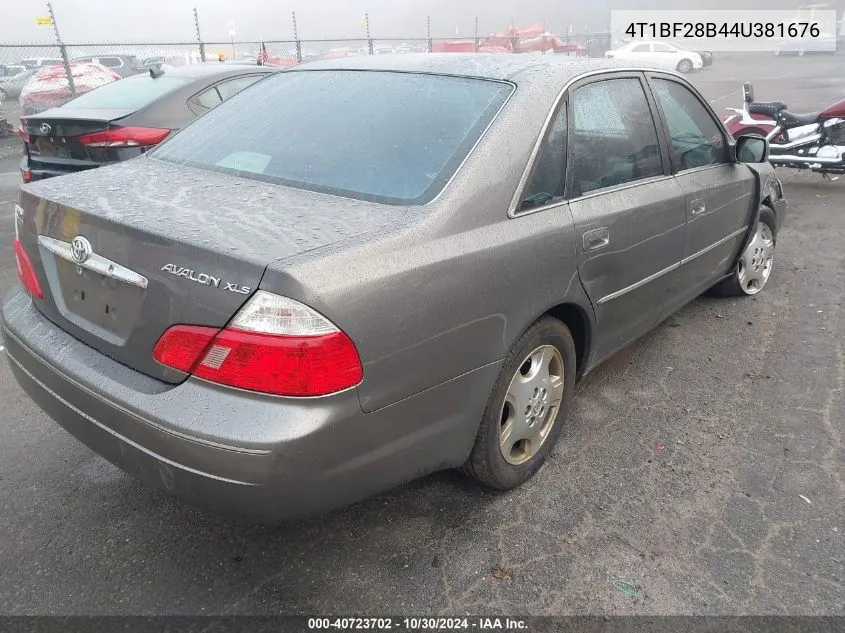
pixel 703 464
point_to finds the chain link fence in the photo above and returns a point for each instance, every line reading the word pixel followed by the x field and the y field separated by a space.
pixel 34 78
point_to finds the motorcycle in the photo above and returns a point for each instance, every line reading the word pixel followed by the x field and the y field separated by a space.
pixel 813 141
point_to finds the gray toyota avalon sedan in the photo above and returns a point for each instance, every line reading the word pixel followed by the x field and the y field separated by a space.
pixel 360 271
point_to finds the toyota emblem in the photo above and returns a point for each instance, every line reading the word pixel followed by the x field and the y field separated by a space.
pixel 80 249
pixel 45 128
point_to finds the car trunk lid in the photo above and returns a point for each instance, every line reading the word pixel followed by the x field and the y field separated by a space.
pixel 160 244
pixel 57 138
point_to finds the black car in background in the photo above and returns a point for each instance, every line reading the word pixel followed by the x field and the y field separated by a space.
pixel 126 118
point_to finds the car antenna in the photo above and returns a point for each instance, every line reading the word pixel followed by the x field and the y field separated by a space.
pixel 156 72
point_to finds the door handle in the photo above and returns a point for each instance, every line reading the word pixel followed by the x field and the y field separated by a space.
pixel 596 239
pixel 697 207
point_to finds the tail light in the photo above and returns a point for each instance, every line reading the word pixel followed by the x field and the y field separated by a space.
pixel 26 271
pixel 273 345
pixel 609 55
pixel 125 137
pixel 26 175
pixel 23 133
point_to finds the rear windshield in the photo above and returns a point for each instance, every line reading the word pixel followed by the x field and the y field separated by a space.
pixel 130 93
pixel 388 137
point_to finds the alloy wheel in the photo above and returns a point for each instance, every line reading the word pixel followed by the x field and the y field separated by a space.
pixel 755 264
pixel 531 405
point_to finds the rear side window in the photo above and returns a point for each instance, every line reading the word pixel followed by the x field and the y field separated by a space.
pixel 208 98
pixel 614 136
pixel 230 88
pixel 217 94
pixel 395 138
pixel 641 48
pixel 548 178
pixel 110 62
pixel 131 93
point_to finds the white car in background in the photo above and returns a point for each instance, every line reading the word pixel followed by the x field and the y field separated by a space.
pixel 659 54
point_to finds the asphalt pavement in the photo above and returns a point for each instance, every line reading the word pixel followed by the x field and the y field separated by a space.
pixel 703 465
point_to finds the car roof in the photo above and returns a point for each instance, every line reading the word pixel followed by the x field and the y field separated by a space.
pixel 502 67
pixel 206 69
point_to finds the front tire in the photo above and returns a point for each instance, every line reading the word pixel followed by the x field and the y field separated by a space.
pixel 527 408
pixel 685 66
pixel 755 264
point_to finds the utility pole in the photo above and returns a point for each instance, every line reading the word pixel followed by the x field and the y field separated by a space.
pixel 367 25
pixel 199 37
pixel 476 34
pixel 428 31
pixel 232 39
pixel 545 30
pixel 63 50
pixel 296 38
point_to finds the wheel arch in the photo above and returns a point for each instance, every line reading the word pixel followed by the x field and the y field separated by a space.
pixel 770 206
pixel 580 325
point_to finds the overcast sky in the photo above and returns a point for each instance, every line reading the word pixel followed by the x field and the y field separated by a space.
pixel 92 21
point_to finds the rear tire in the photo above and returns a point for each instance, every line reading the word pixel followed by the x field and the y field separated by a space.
pixel 685 66
pixel 755 264
pixel 530 400
pixel 2 95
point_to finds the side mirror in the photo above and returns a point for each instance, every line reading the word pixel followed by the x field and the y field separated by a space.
pixel 752 149
pixel 748 92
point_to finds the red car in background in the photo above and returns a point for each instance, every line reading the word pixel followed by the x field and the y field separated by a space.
pixel 533 39
pixel 49 86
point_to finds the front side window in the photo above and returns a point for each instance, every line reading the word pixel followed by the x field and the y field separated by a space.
pixel 389 137
pixel 695 138
pixel 613 136
pixel 546 186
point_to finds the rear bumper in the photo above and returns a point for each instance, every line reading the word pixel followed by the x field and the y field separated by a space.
pixel 258 457
pixel 39 171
